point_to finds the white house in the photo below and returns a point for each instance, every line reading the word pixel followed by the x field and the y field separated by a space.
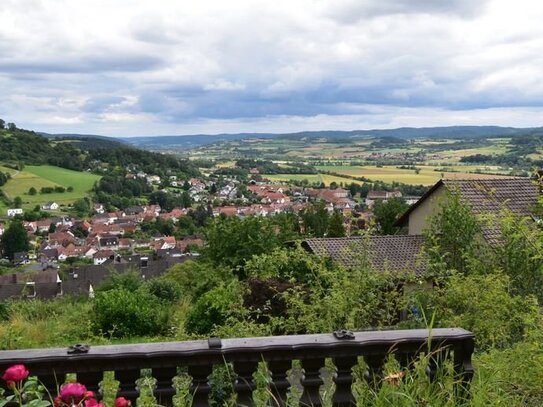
pixel 14 212
pixel 50 206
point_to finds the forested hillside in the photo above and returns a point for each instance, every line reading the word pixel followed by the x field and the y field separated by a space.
pixel 19 147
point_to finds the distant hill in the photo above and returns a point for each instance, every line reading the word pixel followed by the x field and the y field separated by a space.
pixel 82 152
pixel 197 140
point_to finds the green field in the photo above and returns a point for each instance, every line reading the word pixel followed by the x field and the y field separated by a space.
pixel 47 176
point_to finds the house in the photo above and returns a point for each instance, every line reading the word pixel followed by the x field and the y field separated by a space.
pixel 50 206
pixel 383 196
pixel 102 256
pixel 484 196
pixel 398 253
pixel 43 284
pixel 14 212
pixel 99 208
pixel 108 241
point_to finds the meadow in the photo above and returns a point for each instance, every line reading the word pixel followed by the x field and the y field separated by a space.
pixel 47 176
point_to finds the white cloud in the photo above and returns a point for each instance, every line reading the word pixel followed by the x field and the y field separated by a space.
pixel 174 66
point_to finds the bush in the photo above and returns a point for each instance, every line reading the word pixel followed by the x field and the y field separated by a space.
pixel 214 308
pixel 164 290
pixel 122 313
pixel 482 304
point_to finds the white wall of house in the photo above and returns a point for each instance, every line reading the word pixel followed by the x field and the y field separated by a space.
pixel 418 219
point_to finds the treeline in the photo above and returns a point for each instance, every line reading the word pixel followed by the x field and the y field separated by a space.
pixel 81 154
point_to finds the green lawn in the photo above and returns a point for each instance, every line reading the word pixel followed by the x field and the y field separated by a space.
pixel 48 176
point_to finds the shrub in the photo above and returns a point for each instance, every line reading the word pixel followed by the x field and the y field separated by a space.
pixel 164 290
pixel 122 313
pixel 214 308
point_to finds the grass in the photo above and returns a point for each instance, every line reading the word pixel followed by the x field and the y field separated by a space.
pixel 48 176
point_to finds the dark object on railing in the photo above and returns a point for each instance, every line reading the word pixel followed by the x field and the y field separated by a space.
pixel 343 334
pixel 78 348
pixel 199 357
pixel 214 342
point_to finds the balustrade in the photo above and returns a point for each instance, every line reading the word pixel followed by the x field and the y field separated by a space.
pixel 199 357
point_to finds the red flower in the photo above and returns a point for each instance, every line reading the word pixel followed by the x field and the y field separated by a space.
pixel 72 393
pixel 57 401
pixel 122 402
pixel 15 373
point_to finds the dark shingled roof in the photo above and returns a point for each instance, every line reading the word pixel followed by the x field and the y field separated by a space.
pixel 397 253
pixel 518 194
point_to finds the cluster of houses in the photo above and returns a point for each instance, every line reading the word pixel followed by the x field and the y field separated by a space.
pixel 102 239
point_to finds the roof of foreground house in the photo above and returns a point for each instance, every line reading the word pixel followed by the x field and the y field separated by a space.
pixel 397 253
pixel 491 195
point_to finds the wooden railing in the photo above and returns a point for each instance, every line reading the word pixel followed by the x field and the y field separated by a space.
pixel 199 358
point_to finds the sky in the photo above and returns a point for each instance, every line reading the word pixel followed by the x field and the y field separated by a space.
pixel 172 67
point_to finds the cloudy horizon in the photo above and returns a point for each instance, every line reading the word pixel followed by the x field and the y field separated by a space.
pixel 136 67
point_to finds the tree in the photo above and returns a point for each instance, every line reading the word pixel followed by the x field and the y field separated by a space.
pixel 14 240
pixel 17 202
pixel 2 124
pixel 82 206
pixel 336 228
pixel 32 191
pixel 315 219
pixel 12 127
pixel 387 213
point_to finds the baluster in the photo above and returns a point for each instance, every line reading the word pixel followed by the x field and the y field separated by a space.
pixel 374 374
pixel 52 382
pixel 127 383
pixel 463 368
pixel 343 396
pixel 279 381
pixel 245 383
pixel 312 381
pixel 435 359
pixel 406 360
pixel 199 387
pixel 92 380
pixel 164 390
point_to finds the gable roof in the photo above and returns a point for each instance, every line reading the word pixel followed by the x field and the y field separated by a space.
pixel 396 253
pixel 490 195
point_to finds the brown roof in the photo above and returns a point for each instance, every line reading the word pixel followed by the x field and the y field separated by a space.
pixel 386 253
pixel 490 195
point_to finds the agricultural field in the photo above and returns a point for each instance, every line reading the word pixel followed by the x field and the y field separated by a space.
pixel 428 175
pixel 47 176
pixel 311 178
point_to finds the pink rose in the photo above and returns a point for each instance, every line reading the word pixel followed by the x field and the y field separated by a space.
pixel 72 393
pixel 122 402
pixel 15 373
pixel 92 402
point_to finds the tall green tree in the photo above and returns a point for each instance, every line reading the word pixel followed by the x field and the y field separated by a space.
pixel 315 219
pixel 387 213
pixel 14 239
pixel 336 228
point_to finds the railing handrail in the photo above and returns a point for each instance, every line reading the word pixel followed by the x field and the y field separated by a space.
pixel 234 345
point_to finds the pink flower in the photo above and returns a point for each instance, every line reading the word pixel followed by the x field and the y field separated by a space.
pixel 15 373
pixel 72 393
pixel 92 402
pixel 122 402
